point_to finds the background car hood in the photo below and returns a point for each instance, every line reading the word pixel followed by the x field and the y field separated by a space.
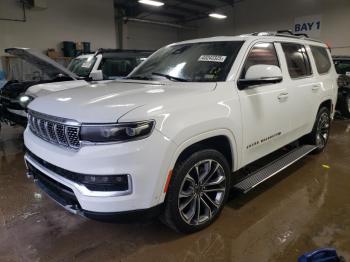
pixel 41 61
pixel 107 102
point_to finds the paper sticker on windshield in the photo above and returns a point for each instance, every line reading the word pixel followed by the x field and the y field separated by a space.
pixel 86 65
pixel 212 58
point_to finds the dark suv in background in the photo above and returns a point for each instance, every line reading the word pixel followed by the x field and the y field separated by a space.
pixel 342 66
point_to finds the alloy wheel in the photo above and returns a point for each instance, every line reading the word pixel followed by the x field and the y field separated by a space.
pixel 322 132
pixel 202 192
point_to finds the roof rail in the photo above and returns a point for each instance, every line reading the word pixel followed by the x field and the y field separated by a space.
pixel 291 33
pixel 286 33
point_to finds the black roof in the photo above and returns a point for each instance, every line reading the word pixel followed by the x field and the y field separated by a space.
pixel 136 51
pixel 111 53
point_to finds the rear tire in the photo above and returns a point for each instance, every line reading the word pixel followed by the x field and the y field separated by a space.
pixel 320 132
pixel 197 191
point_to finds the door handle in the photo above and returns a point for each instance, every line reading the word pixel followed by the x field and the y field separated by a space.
pixel 316 87
pixel 283 96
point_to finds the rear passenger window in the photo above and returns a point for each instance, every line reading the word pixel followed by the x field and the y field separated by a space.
pixel 261 54
pixel 297 60
pixel 322 60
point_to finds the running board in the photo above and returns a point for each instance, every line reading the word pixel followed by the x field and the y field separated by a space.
pixel 268 171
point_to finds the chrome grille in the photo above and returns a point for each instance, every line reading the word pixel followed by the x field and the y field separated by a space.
pixel 55 130
pixel 73 136
pixel 61 135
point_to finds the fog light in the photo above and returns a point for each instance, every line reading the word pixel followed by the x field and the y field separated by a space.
pixel 106 183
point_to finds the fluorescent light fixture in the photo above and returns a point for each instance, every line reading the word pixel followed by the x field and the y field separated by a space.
pixel 218 16
pixel 151 2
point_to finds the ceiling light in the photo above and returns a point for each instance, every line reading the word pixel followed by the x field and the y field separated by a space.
pixel 218 16
pixel 151 2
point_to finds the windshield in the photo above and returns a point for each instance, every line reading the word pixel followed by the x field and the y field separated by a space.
pixel 342 67
pixel 195 62
pixel 82 66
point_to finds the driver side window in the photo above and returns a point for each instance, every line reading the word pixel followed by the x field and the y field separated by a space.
pixel 260 54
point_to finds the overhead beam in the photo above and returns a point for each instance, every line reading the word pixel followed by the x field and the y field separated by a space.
pixel 180 9
pixel 203 16
pixel 230 2
pixel 199 4
pixel 162 13
pixel 147 21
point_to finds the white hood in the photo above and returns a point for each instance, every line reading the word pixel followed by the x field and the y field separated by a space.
pixel 107 102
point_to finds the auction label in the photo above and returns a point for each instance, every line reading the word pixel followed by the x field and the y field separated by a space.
pixel 212 58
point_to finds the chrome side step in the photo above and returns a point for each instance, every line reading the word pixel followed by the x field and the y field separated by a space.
pixel 268 171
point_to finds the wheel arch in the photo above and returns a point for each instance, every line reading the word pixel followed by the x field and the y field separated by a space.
pixel 220 140
pixel 213 140
pixel 220 143
pixel 328 104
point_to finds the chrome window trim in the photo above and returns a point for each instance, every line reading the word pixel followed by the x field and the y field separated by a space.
pixel 312 73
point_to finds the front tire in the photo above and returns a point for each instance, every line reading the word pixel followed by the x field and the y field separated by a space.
pixel 320 132
pixel 197 191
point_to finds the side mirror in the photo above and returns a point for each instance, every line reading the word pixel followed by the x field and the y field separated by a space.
pixel 261 75
pixel 96 75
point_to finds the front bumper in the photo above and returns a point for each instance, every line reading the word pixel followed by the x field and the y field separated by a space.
pixel 147 161
pixel 65 197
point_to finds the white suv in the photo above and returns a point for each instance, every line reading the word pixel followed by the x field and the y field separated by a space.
pixel 171 137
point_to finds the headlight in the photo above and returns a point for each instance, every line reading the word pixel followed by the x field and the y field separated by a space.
pixel 122 132
pixel 24 100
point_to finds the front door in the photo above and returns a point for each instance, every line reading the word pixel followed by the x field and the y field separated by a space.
pixel 264 109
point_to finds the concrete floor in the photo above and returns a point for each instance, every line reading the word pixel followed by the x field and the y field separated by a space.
pixel 303 208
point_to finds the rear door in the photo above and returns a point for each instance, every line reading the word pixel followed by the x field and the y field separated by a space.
pixel 303 88
pixel 327 78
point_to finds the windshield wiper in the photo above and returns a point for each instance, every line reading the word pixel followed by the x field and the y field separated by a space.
pixel 172 78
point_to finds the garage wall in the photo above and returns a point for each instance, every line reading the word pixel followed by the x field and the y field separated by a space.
pixel 271 15
pixel 77 20
pixel 148 36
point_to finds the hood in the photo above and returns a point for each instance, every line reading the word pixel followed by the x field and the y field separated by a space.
pixel 41 61
pixel 48 88
pixel 107 102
